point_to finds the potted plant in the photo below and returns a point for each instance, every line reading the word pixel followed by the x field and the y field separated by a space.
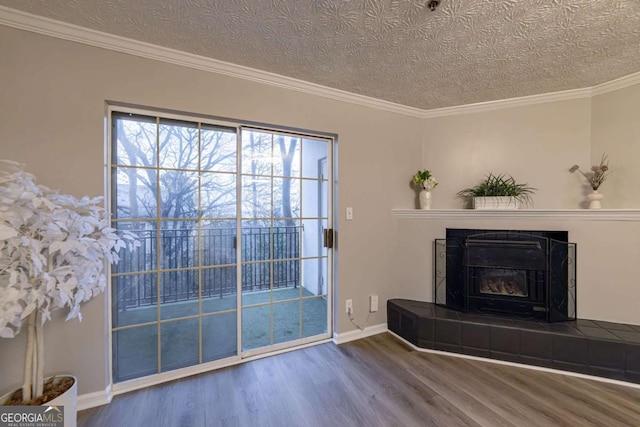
pixel 426 182
pixel 53 250
pixel 498 192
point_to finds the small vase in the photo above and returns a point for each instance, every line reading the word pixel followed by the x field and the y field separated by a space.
pixel 594 199
pixel 425 199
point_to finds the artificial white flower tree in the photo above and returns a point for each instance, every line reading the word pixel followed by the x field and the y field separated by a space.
pixel 53 251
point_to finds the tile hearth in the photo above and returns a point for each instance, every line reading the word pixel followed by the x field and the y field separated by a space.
pixel 592 347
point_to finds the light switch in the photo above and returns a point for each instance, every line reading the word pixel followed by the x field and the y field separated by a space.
pixel 349 213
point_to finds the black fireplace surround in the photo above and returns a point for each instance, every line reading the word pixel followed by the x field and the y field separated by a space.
pixel 502 295
pixel 521 274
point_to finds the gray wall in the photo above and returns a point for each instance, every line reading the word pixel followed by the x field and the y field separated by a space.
pixel 536 144
pixel 53 119
pixel 615 129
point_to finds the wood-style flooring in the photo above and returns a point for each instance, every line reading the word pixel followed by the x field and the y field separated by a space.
pixel 376 381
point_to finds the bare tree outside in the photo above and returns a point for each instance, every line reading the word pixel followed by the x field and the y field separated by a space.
pixel 179 178
pixel 176 184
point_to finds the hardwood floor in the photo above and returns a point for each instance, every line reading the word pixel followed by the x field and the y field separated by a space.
pixel 376 381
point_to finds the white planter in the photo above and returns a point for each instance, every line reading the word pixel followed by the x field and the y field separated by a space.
pixel 425 200
pixel 495 203
pixel 68 399
pixel 594 199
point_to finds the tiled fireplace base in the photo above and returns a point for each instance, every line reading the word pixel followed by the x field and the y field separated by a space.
pixel 604 349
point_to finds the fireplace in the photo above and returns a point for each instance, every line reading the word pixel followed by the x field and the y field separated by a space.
pixel 521 274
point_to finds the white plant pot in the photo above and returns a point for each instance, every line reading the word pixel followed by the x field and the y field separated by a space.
pixel 68 399
pixel 425 200
pixel 594 199
pixel 495 203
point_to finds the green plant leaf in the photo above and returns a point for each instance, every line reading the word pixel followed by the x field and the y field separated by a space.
pixel 501 185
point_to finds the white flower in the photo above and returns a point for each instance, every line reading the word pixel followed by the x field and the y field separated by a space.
pixel 430 183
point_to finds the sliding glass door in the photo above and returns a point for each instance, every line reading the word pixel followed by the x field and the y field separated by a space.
pixel 230 224
pixel 284 210
pixel 173 300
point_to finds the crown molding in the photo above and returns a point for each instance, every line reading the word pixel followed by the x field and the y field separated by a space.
pixel 62 30
pixel 509 103
pixel 53 28
pixel 621 83
pixel 520 214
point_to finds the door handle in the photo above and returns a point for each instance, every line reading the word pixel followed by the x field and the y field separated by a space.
pixel 328 238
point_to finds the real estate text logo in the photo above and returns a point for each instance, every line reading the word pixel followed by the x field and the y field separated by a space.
pixel 31 416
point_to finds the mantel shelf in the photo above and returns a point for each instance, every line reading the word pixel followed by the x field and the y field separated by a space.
pixel 525 214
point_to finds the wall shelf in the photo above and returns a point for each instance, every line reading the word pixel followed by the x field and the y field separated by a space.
pixel 524 214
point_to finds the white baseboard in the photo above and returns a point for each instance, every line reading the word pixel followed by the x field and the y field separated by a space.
pixel 518 365
pixel 357 334
pixel 156 379
pixel 97 398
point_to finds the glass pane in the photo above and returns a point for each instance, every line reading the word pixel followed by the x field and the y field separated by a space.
pixel 179 244
pixel 256 197
pixel 179 145
pixel 219 336
pixel 142 258
pixel 218 195
pixel 286 156
pixel 256 283
pixel 133 193
pixel 178 294
pixel 314 198
pixel 179 194
pixel 217 242
pixel 286 239
pixel 179 344
pixel 314 151
pixel 314 276
pixel 256 327
pixel 286 276
pixel 218 289
pixel 286 198
pixel 256 240
pixel 256 153
pixel 314 316
pixel 312 243
pixel 286 321
pixel 134 299
pixel 282 294
pixel 135 141
pixel 218 152
pixel 135 352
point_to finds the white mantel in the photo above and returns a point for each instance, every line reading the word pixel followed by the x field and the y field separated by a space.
pixel 524 214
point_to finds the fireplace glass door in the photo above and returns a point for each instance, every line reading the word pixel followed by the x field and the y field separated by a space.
pixel 503 282
pixel 519 274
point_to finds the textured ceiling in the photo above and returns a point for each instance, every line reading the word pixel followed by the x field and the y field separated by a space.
pixel 467 51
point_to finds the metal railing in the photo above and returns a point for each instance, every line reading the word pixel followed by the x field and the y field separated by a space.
pixel 182 251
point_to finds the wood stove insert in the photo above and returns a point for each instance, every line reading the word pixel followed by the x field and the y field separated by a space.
pixel 521 274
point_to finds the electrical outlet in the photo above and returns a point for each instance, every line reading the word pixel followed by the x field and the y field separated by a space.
pixel 349 306
pixel 373 303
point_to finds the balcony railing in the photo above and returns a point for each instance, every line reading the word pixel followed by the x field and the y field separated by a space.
pixel 182 252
